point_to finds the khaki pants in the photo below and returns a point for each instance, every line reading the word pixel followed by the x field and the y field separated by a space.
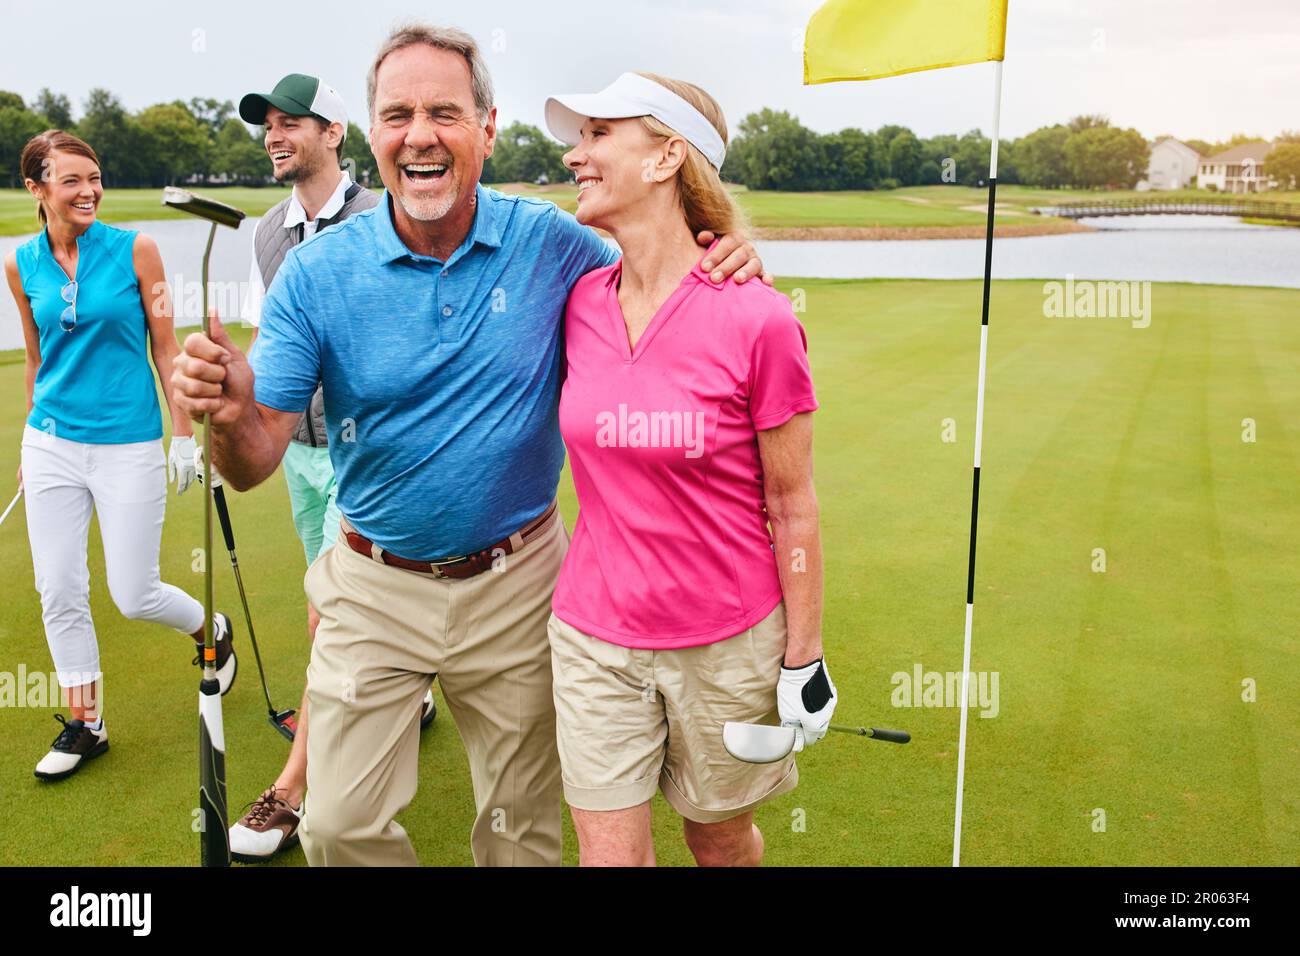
pixel 384 633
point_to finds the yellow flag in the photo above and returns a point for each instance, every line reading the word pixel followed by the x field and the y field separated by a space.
pixel 868 39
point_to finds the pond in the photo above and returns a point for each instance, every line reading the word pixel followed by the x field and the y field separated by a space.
pixel 1159 248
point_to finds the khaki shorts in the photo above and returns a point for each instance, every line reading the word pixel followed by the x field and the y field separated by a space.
pixel 630 721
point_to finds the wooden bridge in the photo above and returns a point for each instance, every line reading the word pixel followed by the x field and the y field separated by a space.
pixel 1210 206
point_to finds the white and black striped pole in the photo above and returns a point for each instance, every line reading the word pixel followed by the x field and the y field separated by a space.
pixel 979 439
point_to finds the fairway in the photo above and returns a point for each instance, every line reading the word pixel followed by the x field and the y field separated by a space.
pixel 1119 691
pixel 916 207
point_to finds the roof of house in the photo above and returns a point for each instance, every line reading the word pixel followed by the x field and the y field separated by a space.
pixel 1175 142
pixel 1256 151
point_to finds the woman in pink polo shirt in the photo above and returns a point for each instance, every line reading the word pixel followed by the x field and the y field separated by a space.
pixel 692 590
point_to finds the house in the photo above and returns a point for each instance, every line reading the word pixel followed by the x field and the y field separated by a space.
pixel 1237 170
pixel 1173 165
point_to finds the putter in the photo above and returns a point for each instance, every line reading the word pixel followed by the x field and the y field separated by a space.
pixel 282 720
pixel 763 743
pixel 214 843
pixel 11 504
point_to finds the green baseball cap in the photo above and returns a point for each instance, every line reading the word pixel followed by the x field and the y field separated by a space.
pixel 298 95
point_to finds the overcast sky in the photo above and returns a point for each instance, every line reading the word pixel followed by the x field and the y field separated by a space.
pixel 1194 68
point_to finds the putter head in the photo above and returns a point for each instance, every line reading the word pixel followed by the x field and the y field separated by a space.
pixel 285 723
pixel 200 206
pixel 758 743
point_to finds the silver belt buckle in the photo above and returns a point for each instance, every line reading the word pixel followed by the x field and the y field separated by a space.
pixel 437 565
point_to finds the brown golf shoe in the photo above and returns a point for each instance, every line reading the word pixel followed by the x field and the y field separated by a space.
pixel 269 826
pixel 223 636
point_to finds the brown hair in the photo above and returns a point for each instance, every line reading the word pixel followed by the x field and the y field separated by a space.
pixel 35 161
pixel 441 38
pixel 705 201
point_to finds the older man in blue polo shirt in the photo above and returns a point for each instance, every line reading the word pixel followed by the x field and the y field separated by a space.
pixel 433 324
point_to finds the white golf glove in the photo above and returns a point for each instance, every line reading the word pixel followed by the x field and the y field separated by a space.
pixel 198 467
pixel 805 699
pixel 180 462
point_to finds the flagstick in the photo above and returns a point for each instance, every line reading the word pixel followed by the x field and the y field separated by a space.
pixel 979 439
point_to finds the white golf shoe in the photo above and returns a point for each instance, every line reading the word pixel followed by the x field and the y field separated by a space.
pixel 75 744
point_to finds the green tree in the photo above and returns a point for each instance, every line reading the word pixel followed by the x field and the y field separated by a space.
pixel 973 159
pixel 779 152
pixel 115 137
pixel 56 107
pixel 524 154
pixel 850 160
pixel 1236 139
pixel 1201 146
pixel 905 158
pixel 1106 156
pixel 212 113
pixel 1283 164
pixel 11 100
pixel 1040 157
pixel 1087 121
pixel 356 157
pixel 17 126
pixel 238 156
pixel 176 145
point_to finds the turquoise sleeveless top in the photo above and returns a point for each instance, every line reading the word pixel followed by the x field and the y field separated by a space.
pixel 95 383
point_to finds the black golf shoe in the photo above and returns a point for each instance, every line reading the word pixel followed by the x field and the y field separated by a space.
pixel 75 744
pixel 227 664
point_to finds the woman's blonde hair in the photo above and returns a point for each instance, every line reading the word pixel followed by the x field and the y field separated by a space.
pixel 705 201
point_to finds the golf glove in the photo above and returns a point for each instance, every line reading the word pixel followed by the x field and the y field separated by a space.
pixel 198 467
pixel 180 462
pixel 805 699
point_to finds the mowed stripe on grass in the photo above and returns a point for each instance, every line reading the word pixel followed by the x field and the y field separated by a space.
pixel 1119 691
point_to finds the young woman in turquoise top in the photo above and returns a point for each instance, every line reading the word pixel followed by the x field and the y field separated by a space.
pixel 91 298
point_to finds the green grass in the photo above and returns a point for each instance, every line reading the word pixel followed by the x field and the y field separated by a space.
pixel 916 206
pixel 1119 690
pixel 18 209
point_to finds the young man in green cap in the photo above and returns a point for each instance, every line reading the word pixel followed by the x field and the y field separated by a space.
pixel 305 124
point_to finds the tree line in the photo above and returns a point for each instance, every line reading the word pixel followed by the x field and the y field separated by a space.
pixel 205 140
pixel 161 145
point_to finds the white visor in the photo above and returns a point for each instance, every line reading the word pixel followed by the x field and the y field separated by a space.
pixel 633 95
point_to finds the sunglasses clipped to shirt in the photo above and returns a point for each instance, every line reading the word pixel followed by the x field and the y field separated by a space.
pixel 68 320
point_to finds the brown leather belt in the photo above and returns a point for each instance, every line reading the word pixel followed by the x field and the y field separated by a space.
pixel 464 566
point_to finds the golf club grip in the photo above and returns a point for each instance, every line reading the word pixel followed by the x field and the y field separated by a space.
pixel 227 532
pixel 893 736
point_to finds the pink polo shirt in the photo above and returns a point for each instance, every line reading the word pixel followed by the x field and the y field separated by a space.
pixel 671 547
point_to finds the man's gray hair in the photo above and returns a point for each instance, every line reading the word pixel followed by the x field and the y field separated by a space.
pixel 443 38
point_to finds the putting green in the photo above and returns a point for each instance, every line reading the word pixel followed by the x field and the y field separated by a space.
pixel 1118 691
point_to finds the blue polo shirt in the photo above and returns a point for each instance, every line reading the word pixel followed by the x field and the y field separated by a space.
pixel 441 379
pixel 94 383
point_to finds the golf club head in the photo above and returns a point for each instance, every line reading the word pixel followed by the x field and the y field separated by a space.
pixel 285 723
pixel 758 743
pixel 201 206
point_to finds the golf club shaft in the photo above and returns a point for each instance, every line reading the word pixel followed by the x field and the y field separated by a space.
pixel 215 839
pixel 11 504
pixel 228 532
pixel 892 736
pixel 209 639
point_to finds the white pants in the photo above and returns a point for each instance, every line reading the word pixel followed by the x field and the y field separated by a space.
pixel 127 485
